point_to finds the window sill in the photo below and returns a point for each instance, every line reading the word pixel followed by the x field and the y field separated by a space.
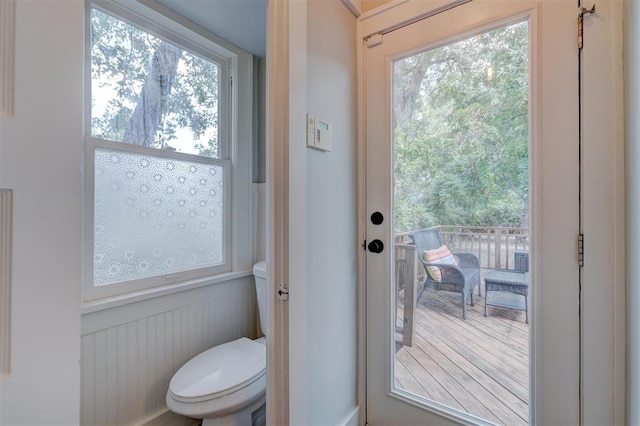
pixel 138 296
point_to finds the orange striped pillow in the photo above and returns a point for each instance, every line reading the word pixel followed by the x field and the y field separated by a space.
pixel 440 255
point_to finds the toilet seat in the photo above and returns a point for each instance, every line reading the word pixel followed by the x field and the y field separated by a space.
pixel 219 371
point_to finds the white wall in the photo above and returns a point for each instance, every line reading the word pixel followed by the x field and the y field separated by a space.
pixel 632 70
pixel 40 159
pixel 259 117
pixel 331 215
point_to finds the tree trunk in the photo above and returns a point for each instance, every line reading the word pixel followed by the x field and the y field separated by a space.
pixel 152 102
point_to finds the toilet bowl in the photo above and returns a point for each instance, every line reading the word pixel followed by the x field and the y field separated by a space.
pixel 225 385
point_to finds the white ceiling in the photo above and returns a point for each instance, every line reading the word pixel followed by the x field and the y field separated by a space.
pixel 241 22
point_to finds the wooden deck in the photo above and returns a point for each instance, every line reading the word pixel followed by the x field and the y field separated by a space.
pixel 479 365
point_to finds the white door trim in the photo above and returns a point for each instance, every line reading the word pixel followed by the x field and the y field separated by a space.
pixel 632 129
pixel 399 13
pixel 603 217
pixel 286 211
pixel 7 56
pixel 6 226
pixel 277 314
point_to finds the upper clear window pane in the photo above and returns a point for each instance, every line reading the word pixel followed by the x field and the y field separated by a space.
pixel 146 91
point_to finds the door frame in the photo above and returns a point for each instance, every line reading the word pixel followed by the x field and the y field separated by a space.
pixel 603 339
pixel 602 327
pixel 286 103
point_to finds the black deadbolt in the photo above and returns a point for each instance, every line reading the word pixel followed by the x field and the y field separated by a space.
pixel 377 218
pixel 376 246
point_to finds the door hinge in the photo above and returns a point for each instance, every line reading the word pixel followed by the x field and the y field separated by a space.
pixel 283 293
pixel 580 249
pixel 581 12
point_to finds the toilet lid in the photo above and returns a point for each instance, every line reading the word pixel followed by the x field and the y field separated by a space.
pixel 220 370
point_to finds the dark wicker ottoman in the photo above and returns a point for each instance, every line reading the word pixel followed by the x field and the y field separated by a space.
pixel 507 287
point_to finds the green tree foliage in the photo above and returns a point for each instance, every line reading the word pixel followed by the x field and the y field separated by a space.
pixel 148 92
pixel 461 133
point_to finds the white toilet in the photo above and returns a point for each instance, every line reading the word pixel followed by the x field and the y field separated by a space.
pixel 226 384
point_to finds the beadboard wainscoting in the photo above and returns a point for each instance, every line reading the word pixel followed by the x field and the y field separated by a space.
pixel 130 353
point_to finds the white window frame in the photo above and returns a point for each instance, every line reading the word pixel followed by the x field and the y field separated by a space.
pixel 235 102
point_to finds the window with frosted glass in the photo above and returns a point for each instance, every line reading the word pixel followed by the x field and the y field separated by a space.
pixel 156 141
pixel 155 215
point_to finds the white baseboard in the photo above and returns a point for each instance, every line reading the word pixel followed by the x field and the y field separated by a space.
pixel 352 419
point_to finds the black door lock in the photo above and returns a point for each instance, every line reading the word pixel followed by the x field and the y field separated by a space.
pixel 377 218
pixel 376 246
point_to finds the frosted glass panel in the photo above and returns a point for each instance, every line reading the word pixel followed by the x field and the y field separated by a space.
pixel 155 215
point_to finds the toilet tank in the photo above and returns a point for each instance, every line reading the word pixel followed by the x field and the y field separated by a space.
pixel 260 275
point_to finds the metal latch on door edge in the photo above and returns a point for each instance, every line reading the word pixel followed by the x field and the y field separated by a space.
pixel 283 293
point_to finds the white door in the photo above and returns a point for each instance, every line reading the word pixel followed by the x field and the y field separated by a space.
pixel 538 383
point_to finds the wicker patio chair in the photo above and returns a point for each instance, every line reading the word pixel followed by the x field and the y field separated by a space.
pixel 462 277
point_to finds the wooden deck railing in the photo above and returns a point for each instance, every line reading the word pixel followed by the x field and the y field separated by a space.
pixel 496 247
pixel 407 280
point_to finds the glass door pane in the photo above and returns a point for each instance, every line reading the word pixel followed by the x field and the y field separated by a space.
pixel 461 224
